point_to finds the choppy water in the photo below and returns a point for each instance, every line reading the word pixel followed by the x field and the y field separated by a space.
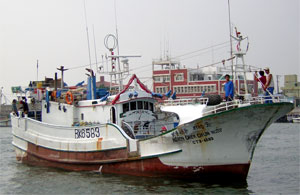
pixel 274 170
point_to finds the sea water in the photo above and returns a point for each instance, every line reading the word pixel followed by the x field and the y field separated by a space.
pixel 274 170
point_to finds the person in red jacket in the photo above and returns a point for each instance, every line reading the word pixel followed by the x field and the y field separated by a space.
pixel 262 79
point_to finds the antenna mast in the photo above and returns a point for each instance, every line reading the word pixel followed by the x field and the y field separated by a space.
pixel 95 48
pixel 88 40
pixel 62 69
pixel 37 70
pixel 231 52
pixel 118 48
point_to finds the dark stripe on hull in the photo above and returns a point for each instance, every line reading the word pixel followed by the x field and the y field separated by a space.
pixel 155 168
pixel 116 162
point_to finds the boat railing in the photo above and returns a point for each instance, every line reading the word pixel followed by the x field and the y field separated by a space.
pixel 128 129
pixel 222 107
pixel 148 130
pixel 187 101
pixel 241 103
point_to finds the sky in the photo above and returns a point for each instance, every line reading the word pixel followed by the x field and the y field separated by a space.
pixel 54 33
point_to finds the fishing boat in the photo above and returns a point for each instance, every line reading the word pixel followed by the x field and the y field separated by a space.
pixel 139 132
pixel 129 133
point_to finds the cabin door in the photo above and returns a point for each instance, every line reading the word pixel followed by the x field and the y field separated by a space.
pixel 113 115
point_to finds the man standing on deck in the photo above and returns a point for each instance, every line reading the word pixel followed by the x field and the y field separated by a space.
pixel 24 106
pixel 262 79
pixel 269 86
pixel 228 88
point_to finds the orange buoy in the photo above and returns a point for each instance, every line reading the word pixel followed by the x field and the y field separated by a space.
pixel 69 97
pixel 53 94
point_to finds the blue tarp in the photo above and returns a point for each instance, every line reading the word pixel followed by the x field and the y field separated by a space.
pixel 168 94
pixel 91 81
pixel 157 95
pixel 174 96
pixel 79 84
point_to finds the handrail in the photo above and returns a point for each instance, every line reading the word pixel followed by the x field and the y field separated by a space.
pixel 131 132
pixel 185 101
pixel 239 103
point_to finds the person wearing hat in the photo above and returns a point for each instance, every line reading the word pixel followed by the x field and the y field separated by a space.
pixel 269 86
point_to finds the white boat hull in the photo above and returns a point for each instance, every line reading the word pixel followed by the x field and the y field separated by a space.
pixel 220 144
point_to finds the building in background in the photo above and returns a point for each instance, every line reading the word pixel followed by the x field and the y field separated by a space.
pixel 292 88
pixel 188 82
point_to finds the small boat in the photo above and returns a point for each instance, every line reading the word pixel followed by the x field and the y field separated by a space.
pixel 296 120
pixel 5 122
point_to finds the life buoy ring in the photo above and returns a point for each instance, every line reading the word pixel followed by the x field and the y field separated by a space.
pixel 69 97
pixel 53 94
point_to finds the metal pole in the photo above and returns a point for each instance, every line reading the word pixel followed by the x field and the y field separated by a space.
pixel 37 70
pixel 88 40
pixel 245 77
pixel 62 75
pixel 95 48
pixel 117 36
pixel 230 38
pixel 62 79
pixel 277 76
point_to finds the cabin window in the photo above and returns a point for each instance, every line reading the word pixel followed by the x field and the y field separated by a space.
pixel 140 105
pixel 125 107
pixel 133 105
pixel 151 106
pixel 146 106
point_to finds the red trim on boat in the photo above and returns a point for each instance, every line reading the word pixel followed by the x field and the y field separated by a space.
pixel 117 162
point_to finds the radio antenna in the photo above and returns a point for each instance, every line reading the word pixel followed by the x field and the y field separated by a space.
pixel 118 50
pixel 95 48
pixel 87 34
pixel 88 40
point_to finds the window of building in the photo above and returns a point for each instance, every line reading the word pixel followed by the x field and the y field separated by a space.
pixel 164 89
pixel 156 79
pixel 196 76
pixel 178 77
pixel 165 78
pixel 213 88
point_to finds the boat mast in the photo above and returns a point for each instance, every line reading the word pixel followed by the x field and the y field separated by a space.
pixel 37 70
pixel 230 31
pixel 95 48
pixel 118 50
pixel 89 50
pixel 62 69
